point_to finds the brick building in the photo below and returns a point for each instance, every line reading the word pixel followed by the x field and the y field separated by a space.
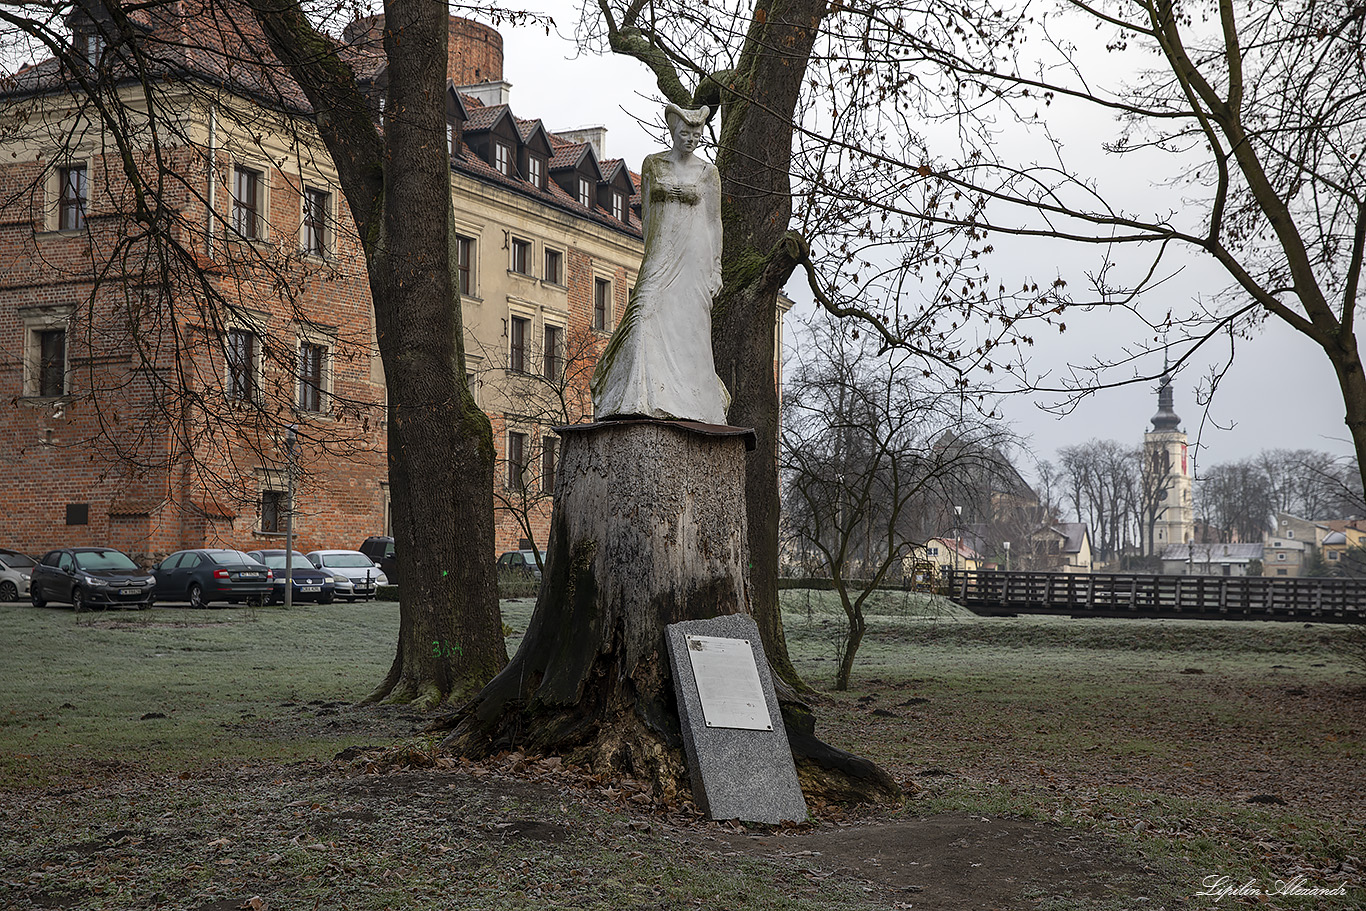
pixel 152 362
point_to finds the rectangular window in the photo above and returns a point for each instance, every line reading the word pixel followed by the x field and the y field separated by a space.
pixel 516 460
pixel 585 193
pixel 521 256
pixel 241 355
pixel 517 353
pixel 535 171
pixel 502 158
pixel 317 206
pixel 50 376
pixel 553 352
pixel 1332 555
pixel 73 193
pixel 548 464
pixel 618 206
pixel 464 263
pixel 312 373
pixel 450 138
pixel 273 505
pixel 602 302
pixel 554 267
pixel 93 47
pixel 246 203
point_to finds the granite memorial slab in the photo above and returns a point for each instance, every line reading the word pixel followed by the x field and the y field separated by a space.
pixel 738 756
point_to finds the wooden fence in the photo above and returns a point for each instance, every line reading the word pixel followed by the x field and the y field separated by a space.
pixel 1323 600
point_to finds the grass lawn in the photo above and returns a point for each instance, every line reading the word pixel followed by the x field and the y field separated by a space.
pixel 183 759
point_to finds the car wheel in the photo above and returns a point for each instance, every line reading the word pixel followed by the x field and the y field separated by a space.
pixel 197 596
pixel 36 596
pixel 9 591
pixel 325 599
pixel 77 601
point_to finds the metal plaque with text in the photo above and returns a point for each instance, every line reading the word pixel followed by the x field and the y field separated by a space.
pixel 728 683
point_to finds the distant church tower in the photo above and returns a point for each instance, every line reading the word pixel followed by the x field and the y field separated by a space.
pixel 1166 466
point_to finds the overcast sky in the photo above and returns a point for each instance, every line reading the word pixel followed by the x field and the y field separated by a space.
pixel 1280 392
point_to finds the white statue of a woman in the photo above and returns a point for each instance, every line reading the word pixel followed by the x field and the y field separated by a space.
pixel 659 362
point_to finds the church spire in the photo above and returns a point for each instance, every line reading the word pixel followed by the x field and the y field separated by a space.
pixel 1166 419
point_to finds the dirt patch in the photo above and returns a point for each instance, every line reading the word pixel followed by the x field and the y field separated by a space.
pixel 953 862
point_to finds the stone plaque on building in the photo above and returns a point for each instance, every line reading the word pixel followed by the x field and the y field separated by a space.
pixel 738 756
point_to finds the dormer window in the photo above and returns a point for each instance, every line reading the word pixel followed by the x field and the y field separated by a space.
pixel 450 138
pixel 502 158
pixel 535 171
pixel 618 206
pixel 585 193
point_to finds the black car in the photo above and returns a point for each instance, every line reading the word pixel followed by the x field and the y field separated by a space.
pixel 87 577
pixel 310 583
pixel 380 548
pixel 207 575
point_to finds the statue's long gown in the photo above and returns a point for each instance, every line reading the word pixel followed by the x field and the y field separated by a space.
pixel 659 361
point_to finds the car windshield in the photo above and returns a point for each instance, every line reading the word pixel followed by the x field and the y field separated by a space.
pixel 354 560
pixel 103 559
pixel 226 557
pixel 277 561
pixel 17 561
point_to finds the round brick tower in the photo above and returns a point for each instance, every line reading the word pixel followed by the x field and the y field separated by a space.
pixel 475 55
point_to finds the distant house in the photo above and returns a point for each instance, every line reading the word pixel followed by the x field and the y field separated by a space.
pixel 1290 545
pixel 1210 558
pixel 945 554
pixel 1343 535
pixel 1061 547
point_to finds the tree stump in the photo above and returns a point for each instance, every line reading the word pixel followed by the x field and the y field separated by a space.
pixel 648 529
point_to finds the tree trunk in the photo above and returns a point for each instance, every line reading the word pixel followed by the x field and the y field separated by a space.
pixel 398 189
pixel 758 104
pixel 648 529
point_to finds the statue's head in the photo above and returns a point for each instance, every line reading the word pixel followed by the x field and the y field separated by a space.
pixel 685 125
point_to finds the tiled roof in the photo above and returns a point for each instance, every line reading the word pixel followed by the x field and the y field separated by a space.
pixel 484 118
pixel 1213 553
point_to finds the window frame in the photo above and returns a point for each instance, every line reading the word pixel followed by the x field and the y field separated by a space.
pixel 316 239
pixel 552 351
pixel 277 509
pixel 38 323
pixel 602 303
pixel 618 205
pixel 553 276
pixel 519 255
pixel 465 265
pixel 80 206
pixel 535 170
pixel 250 217
pixel 503 158
pixel 247 389
pixel 322 390
pixel 585 193
pixel 516 469
pixel 519 328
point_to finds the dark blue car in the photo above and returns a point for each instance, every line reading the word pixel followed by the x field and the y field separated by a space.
pixel 310 583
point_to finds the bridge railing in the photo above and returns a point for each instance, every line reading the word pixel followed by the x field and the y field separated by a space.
pixel 992 592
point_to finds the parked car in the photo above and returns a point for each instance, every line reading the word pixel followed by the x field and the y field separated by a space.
pixel 212 574
pixel 310 583
pixel 86 577
pixel 15 571
pixel 380 548
pixel 522 562
pixel 362 574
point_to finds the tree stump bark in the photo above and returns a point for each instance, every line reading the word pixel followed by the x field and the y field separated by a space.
pixel 648 529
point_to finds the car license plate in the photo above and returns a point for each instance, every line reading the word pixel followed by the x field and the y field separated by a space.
pixel 249 575
pixel 311 589
pixel 130 591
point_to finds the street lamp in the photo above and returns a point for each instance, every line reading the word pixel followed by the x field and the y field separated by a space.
pixel 1006 544
pixel 290 437
pixel 958 527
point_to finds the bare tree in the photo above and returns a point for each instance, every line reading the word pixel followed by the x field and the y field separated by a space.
pixel 546 388
pixel 1102 479
pixel 862 447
